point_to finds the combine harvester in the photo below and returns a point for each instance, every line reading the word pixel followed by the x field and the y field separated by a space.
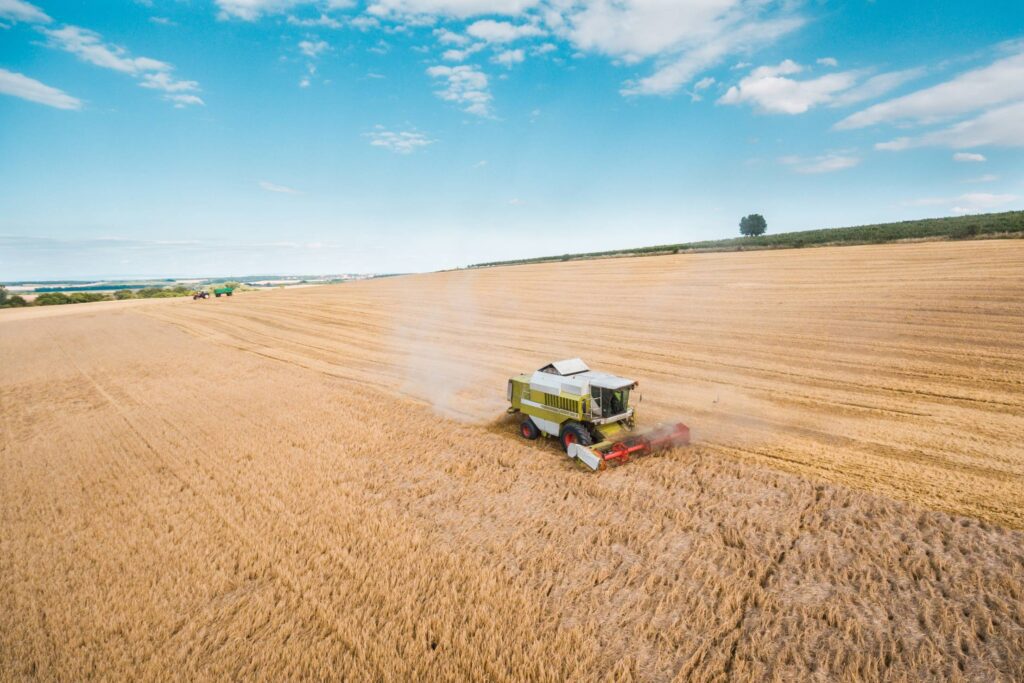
pixel 588 412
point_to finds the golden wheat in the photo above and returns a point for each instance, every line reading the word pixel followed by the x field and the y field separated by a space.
pixel 319 484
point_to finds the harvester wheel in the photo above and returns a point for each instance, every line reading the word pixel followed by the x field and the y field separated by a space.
pixel 574 432
pixel 528 430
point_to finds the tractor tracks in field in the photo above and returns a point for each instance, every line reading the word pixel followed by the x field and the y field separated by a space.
pixel 882 479
pixel 11 573
pixel 249 542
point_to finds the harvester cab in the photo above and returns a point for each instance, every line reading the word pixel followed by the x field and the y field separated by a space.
pixel 588 412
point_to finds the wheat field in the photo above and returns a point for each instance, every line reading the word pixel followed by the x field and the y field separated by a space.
pixel 321 483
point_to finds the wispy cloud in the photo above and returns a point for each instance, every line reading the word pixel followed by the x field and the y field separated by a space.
pixel 280 189
pixel 20 85
pixel 400 142
pixel 968 157
pixel 322 21
pixel 826 163
pixel 773 88
pixel 152 73
pixel 972 202
pixel 1000 127
pixel 996 84
pixel 89 47
pixel 17 10
pixel 251 10
pixel 685 60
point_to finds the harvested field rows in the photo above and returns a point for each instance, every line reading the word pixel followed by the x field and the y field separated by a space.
pixel 171 507
pixel 895 368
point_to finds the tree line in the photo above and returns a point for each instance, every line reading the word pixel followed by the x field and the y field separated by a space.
pixel 8 300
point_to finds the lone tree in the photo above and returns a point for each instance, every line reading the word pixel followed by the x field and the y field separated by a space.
pixel 753 225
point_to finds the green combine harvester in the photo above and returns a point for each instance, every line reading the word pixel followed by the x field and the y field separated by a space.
pixel 588 412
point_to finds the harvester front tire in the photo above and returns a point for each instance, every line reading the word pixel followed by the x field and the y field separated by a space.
pixel 528 430
pixel 574 432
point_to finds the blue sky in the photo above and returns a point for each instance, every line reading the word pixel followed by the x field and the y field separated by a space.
pixel 179 138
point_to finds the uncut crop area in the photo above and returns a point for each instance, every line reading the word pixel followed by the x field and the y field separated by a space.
pixel 322 483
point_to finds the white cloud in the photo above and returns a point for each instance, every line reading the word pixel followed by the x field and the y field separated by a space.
pixel 181 101
pixel 449 8
pixel 88 46
pixel 19 85
pixel 454 55
pixel 401 142
pixel 162 21
pixel 161 80
pixel 826 163
pixel 999 83
pixel 313 49
pixel 466 86
pixel 1000 127
pixel 677 38
pixel 968 157
pixel 828 61
pixel 250 10
pixel 680 38
pixel 876 86
pixel 635 29
pixel 972 202
pixel 280 189
pixel 508 58
pixel 769 90
pixel 17 10
pixel 699 87
pixel 323 21
pixel 697 53
pixel 364 23
pixel 446 37
pixel 977 202
pixel 491 31
pixel 987 178
pixel 151 73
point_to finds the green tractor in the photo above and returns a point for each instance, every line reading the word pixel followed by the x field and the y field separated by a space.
pixel 588 412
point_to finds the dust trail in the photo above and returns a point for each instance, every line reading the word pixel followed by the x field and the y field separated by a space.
pixel 433 367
